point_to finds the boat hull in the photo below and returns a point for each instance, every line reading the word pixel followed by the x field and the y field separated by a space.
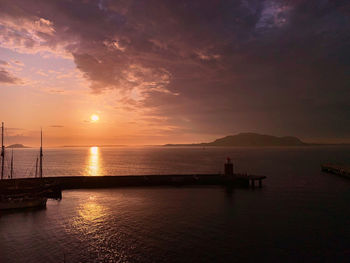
pixel 20 203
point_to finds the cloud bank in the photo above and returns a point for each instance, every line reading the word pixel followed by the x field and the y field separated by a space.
pixel 213 67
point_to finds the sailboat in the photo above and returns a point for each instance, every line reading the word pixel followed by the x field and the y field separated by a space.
pixel 14 198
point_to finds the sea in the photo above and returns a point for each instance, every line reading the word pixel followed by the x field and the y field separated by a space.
pixel 299 215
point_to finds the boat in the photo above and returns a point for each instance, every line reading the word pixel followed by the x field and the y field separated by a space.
pixel 13 202
pixel 15 197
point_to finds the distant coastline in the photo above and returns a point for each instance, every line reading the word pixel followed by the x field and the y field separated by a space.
pixel 255 140
pixel 17 146
pixel 94 145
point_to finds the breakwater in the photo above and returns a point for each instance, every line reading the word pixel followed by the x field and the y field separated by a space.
pixel 56 184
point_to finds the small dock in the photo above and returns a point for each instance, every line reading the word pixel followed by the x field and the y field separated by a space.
pixel 338 169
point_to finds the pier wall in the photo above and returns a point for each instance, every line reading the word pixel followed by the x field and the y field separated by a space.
pixel 51 187
pixel 80 182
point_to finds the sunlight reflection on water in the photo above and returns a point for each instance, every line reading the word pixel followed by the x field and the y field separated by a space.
pixel 91 211
pixel 93 167
pixel 88 219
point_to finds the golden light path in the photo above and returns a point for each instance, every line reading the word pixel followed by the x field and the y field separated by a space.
pixel 93 165
pixel 91 211
pixel 89 216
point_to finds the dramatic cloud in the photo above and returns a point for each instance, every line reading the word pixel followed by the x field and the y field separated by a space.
pixel 216 67
pixel 7 78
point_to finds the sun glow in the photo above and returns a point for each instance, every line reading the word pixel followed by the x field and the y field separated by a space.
pixel 94 118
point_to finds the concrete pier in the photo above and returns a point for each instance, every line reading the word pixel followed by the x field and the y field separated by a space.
pixel 52 187
pixel 56 184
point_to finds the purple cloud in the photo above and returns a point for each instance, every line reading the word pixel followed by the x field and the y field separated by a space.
pixel 7 78
pixel 206 66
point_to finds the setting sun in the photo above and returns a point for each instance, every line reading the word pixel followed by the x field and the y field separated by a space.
pixel 94 118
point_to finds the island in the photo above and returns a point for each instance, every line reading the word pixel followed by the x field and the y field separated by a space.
pixel 17 145
pixel 250 140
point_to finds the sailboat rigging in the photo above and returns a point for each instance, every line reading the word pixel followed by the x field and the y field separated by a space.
pixel 11 166
pixel 25 197
pixel 41 154
pixel 2 151
pixel 36 167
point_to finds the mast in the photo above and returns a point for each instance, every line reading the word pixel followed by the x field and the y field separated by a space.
pixel 2 151
pixel 41 154
pixel 36 167
pixel 11 173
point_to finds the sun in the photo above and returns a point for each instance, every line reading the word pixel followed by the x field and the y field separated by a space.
pixel 94 118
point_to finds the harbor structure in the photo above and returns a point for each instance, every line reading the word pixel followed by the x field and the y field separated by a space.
pixel 338 169
pixel 58 183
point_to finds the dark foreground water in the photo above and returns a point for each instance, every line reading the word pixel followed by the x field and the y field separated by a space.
pixel 299 215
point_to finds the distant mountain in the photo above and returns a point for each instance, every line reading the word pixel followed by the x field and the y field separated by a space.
pixel 250 139
pixel 17 145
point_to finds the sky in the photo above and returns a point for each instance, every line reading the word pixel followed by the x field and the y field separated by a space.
pixel 173 71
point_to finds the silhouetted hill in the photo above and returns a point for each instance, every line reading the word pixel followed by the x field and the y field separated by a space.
pixel 17 145
pixel 250 139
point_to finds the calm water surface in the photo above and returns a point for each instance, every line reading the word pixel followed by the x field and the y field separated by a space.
pixel 299 215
